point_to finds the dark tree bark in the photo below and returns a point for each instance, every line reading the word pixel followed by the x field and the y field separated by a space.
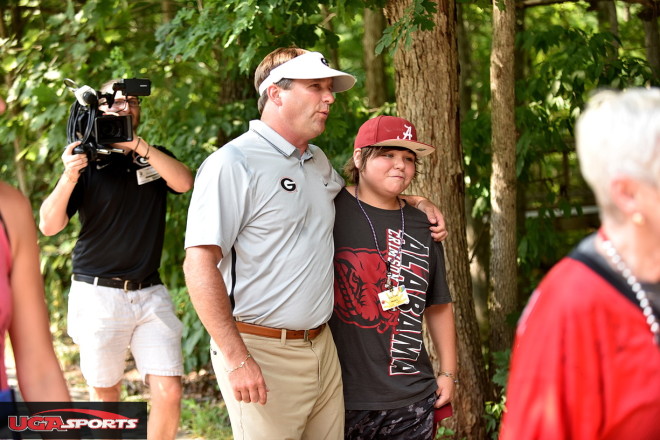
pixel 649 17
pixel 374 65
pixel 503 267
pixel 167 6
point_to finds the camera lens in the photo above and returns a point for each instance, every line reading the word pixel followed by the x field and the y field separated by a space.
pixel 113 129
pixel 110 129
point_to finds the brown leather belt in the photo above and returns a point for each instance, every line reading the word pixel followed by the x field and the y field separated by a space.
pixel 270 332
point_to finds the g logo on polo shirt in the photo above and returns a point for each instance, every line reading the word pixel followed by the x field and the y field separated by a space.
pixel 288 184
pixel 141 161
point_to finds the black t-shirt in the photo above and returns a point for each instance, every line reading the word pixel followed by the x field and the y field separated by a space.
pixel 384 361
pixel 122 222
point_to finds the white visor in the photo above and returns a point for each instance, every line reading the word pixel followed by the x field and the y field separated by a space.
pixel 310 65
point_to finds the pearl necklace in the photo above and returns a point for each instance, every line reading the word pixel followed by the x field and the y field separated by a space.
pixel 636 287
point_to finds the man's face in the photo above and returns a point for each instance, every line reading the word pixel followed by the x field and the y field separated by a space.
pixel 306 106
pixel 123 106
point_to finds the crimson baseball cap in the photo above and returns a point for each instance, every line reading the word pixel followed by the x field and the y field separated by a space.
pixel 391 131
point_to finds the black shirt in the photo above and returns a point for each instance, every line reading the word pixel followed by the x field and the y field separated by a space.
pixel 384 361
pixel 122 222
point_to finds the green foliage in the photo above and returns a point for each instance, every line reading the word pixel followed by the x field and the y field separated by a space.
pixel 56 269
pixel 418 16
pixel 205 419
pixel 444 433
pixel 195 338
pixel 476 134
pixel 495 409
pixel 573 63
pixel 245 31
pixel 565 59
pixel 501 362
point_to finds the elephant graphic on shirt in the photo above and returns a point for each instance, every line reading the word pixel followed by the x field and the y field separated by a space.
pixel 360 275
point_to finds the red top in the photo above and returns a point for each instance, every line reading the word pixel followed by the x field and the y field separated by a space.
pixel 584 363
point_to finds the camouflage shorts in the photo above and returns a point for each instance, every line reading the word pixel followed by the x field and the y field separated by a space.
pixel 412 422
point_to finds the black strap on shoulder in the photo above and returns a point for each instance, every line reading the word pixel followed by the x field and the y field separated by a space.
pixel 611 277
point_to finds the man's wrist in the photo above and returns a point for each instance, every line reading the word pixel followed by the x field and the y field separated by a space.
pixel 412 200
pixel 240 365
pixel 67 176
pixel 146 148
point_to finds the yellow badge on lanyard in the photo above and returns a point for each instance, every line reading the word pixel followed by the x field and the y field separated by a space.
pixel 394 297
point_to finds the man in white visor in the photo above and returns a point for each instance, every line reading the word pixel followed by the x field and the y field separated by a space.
pixel 262 213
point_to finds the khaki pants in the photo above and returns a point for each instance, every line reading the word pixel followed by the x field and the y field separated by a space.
pixel 305 397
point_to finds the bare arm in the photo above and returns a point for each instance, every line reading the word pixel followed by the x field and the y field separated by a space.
pixel 39 375
pixel 52 214
pixel 208 294
pixel 440 323
pixel 176 174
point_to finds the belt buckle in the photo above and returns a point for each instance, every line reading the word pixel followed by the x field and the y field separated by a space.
pixel 126 285
pixel 306 335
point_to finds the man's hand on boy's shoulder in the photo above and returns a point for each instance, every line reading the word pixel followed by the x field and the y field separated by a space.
pixel 437 220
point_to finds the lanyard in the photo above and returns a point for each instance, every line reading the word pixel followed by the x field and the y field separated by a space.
pixel 388 284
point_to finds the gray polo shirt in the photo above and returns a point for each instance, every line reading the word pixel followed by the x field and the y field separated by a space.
pixel 271 212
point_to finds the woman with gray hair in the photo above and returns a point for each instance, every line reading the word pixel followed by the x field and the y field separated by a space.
pixel 586 360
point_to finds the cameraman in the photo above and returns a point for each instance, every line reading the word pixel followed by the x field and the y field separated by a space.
pixel 117 299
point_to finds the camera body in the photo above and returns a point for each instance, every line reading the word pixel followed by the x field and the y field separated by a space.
pixel 110 129
pixel 95 130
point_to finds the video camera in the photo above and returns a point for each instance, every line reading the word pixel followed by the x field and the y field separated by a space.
pixel 94 130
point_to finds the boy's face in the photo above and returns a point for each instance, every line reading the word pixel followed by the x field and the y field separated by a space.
pixel 389 171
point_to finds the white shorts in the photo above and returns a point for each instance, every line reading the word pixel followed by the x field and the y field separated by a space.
pixel 105 322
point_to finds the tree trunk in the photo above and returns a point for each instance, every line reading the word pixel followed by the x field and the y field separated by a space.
pixel 503 268
pixel 607 20
pixel 477 230
pixel 649 19
pixel 427 95
pixel 464 63
pixel 374 65
pixel 478 233
pixel 606 13
pixel 327 23
pixel 167 8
